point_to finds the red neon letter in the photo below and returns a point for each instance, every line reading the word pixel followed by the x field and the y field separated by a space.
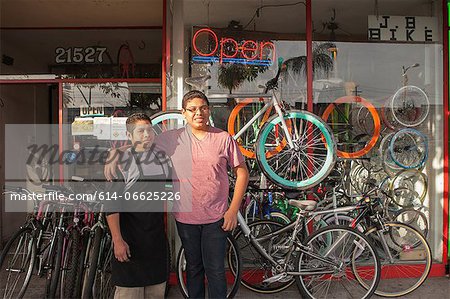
pixel 209 32
pixel 261 49
pixel 252 47
pixel 224 41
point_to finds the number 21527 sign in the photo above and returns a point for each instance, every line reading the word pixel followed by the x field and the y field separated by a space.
pixel 79 54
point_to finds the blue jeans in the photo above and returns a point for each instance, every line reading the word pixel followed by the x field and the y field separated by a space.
pixel 204 249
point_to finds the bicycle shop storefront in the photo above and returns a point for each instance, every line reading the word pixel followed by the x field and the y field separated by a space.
pixel 352 63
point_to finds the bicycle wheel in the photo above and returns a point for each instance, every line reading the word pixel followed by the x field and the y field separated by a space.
pixel 407 255
pixel 409 187
pixel 345 132
pixel 54 272
pixel 103 287
pixel 308 162
pixel 412 217
pixel 167 120
pixel 16 264
pixel 91 262
pixel 255 269
pixel 69 271
pixel 239 117
pixel 410 106
pixel 409 148
pixel 350 254
pixel 232 261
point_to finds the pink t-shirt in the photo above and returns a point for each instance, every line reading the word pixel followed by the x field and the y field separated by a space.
pixel 201 168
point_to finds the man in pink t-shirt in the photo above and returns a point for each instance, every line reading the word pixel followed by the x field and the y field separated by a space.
pixel 200 156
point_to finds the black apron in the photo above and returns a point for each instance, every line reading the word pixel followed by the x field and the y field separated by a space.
pixel 145 235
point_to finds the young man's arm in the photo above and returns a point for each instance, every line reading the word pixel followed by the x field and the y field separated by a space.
pixel 230 217
pixel 112 162
pixel 121 248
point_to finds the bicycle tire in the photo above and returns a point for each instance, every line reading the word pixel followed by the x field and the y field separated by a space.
pixel 254 268
pixel 234 262
pixel 6 258
pixel 406 113
pixel 69 271
pixel 102 287
pixel 386 290
pixel 357 261
pixel 93 253
pixel 415 218
pixel 233 126
pixel 54 272
pixel 167 120
pixel 420 147
pixel 376 124
pixel 315 130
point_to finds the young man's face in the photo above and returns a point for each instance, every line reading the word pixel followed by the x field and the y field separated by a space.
pixel 197 113
pixel 142 136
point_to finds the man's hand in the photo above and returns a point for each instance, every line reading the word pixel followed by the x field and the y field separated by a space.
pixel 112 164
pixel 121 250
pixel 229 220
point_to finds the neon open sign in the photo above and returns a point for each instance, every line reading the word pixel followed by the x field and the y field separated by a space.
pixel 208 48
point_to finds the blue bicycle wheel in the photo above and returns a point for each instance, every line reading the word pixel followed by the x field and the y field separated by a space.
pixel 168 120
pixel 308 162
pixel 409 148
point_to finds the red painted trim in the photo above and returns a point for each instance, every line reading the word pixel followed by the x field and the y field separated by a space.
pixel 163 62
pixel 437 270
pixel 309 56
pixel 73 80
pixel 446 116
pixel 85 28
pixel 60 130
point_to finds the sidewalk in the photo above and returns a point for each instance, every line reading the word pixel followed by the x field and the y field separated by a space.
pixel 432 288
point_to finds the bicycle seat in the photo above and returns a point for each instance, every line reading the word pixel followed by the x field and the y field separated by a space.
pixel 292 194
pixel 307 205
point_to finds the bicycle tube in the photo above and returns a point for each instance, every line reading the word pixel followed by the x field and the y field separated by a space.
pixel 233 124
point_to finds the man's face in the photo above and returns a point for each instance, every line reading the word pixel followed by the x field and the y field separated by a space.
pixel 197 113
pixel 142 136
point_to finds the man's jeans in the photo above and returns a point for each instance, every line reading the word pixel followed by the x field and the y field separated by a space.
pixel 204 249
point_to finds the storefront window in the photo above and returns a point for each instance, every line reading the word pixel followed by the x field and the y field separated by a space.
pixel 390 58
pixel 102 53
pixel 381 62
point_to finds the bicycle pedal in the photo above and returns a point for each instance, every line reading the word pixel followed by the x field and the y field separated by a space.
pixel 274 278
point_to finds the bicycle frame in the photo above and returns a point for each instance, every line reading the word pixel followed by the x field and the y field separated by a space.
pixel 276 104
pixel 256 243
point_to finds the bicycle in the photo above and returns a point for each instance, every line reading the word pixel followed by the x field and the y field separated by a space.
pixel 294 148
pixel 283 255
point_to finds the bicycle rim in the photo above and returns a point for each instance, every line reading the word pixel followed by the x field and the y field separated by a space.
pixel 17 260
pixel 312 157
pixel 411 259
pixel 410 106
pixel 349 248
pixel 409 148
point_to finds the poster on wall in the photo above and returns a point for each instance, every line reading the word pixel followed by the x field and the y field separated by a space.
pixel 118 128
pixel 102 128
pixel 402 28
pixel 83 126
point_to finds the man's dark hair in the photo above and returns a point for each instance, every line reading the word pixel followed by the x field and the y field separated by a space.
pixel 134 118
pixel 192 95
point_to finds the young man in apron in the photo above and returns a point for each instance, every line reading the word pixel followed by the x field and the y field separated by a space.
pixel 140 268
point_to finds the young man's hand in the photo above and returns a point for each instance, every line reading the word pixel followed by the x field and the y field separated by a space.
pixel 229 220
pixel 122 251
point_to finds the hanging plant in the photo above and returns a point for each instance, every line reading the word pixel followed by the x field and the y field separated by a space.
pixel 232 75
